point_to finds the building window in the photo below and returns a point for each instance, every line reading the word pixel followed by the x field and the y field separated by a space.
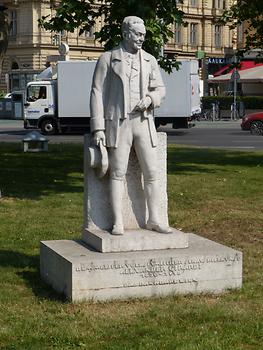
pixel 18 81
pixel 14 65
pixel 56 39
pixel 90 29
pixel 193 34
pixel 193 3
pixel 219 4
pixel 218 36
pixel 178 34
pixel 13 23
pixel 89 33
pixel 240 33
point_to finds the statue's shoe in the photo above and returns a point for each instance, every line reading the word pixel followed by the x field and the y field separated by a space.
pixel 158 227
pixel 117 230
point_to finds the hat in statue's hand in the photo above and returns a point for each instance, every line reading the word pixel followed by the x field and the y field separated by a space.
pixel 97 159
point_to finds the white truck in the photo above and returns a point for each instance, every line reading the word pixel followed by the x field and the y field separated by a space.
pixel 60 104
pixel 182 101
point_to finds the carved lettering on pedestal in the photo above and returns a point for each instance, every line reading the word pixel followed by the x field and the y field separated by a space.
pixel 228 259
pixel 159 271
pixel 161 283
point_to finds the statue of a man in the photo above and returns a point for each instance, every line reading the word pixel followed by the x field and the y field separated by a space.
pixel 127 86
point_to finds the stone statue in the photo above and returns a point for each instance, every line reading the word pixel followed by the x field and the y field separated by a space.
pixel 127 86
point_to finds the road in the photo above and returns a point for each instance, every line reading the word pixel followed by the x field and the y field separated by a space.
pixel 221 134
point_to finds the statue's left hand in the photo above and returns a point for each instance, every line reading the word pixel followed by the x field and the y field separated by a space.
pixel 144 104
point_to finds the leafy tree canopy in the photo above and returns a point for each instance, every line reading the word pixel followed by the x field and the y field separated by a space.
pixel 159 16
pixel 249 12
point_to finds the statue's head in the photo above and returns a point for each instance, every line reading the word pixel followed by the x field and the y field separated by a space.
pixel 133 32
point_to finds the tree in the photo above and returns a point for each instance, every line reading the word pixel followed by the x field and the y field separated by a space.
pixel 159 16
pixel 249 12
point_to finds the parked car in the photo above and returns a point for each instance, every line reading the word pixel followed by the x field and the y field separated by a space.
pixel 253 122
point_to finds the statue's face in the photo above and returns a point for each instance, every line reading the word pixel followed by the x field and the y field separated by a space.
pixel 135 37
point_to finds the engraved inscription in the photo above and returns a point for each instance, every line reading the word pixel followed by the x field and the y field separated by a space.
pixel 160 283
pixel 228 260
pixel 154 268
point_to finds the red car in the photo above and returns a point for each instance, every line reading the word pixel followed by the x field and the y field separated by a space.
pixel 253 122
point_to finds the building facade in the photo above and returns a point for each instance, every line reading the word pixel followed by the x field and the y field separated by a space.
pixel 203 32
pixel 204 37
pixel 29 45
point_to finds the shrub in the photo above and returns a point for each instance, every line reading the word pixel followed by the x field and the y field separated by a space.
pixel 250 102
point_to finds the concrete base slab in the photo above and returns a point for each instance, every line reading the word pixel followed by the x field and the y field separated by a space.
pixel 80 273
pixel 132 240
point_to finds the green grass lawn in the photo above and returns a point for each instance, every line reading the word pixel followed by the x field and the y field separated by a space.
pixel 217 194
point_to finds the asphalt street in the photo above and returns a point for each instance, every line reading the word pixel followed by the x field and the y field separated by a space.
pixel 220 134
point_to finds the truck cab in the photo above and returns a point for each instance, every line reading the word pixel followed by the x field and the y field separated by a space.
pixel 60 104
pixel 39 107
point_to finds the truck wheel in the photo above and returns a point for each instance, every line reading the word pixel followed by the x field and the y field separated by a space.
pixel 48 127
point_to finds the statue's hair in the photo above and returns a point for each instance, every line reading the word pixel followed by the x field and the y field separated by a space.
pixel 129 21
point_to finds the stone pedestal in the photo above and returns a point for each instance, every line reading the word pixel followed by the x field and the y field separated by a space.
pixel 140 263
pixel 133 240
pixel 83 274
pixel 97 208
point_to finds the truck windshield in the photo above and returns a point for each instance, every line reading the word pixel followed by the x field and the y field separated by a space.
pixel 36 92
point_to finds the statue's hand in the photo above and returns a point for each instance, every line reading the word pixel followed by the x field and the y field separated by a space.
pixel 99 136
pixel 144 104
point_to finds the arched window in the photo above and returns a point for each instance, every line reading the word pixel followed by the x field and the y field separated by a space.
pixel 14 66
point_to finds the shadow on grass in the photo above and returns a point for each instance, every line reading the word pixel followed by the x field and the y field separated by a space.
pixel 182 160
pixel 31 175
pixel 40 289
pixel 30 273
pixel 9 258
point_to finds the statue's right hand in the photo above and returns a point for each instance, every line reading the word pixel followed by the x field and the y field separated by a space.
pixel 99 136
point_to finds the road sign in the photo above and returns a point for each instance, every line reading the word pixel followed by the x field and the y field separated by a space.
pixel 235 75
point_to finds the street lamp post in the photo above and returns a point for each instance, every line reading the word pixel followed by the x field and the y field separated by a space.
pixel 234 78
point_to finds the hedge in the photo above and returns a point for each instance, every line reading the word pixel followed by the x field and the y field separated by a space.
pixel 250 102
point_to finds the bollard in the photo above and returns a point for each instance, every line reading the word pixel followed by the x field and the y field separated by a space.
pixel 35 142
